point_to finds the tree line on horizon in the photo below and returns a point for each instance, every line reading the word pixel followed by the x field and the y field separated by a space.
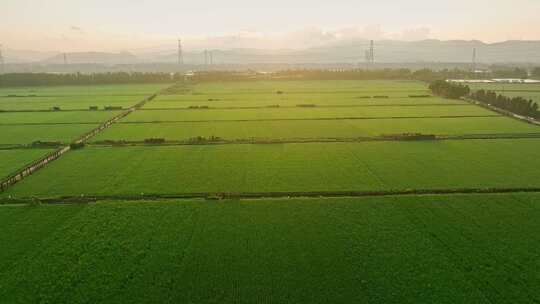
pixel 427 75
pixel 53 79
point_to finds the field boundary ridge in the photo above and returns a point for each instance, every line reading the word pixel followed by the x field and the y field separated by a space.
pixel 268 141
pixel 310 119
pixel 216 196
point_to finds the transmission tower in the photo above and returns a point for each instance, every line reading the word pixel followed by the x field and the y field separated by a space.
pixel 1 61
pixel 370 54
pixel 180 55
pixel 368 60
pixel 474 60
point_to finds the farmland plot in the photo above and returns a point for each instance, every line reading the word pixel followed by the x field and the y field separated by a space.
pixel 271 101
pixel 368 166
pixel 67 102
pixel 87 90
pixel 408 249
pixel 75 97
pixel 308 113
pixel 60 117
pixel 316 128
pixel 27 134
pixel 12 160
pixel 388 249
pixel 291 93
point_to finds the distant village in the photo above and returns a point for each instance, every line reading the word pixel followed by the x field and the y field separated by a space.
pixel 498 80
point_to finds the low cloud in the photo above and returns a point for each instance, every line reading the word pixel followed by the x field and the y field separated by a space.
pixel 76 29
pixel 305 38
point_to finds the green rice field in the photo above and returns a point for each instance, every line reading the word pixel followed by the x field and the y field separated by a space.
pixel 345 128
pixel 288 168
pixel 292 93
pixel 27 134
pixel 408 249
pixel 25 115
pixel 75 97
pixel 308 113
pixel 111 222
pixel 15 159
pixel 60 117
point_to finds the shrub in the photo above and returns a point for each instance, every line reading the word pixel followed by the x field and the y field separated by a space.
pixel 111 108
pixel 154 140
pixel 448 89
pixel 420 96
pixel 76 146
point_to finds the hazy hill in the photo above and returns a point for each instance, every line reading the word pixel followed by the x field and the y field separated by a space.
pixel 387 51
pixel 93 57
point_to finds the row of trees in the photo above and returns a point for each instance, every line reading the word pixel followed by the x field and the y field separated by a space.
pixel 517 105
pixel 508 72
pixel 45 79
pixel 334 74
pixel 449 89
pixel 427 75
pixel 536 72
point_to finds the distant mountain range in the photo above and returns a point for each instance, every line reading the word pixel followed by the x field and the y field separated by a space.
pixel 387 51
pixel 92 57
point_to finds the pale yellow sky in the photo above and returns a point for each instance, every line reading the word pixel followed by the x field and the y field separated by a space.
pixel 115 25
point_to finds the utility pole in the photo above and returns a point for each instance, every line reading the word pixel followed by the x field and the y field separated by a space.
pixel 180 55
pixel 206 57
pixel 65 59
pixel 1 61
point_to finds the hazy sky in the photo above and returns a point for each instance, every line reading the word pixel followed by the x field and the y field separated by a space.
pixel 107 25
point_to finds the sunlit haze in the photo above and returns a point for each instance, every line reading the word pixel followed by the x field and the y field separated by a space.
pixel 75 25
